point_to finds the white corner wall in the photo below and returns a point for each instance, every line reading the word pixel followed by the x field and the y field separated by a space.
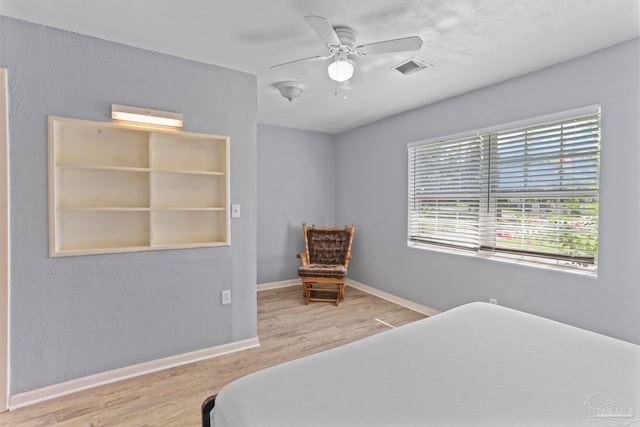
pixel 296 185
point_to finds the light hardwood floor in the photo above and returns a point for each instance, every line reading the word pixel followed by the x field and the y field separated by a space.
pixel 287 329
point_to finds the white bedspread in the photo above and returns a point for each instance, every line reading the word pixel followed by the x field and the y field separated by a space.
pixel 475 365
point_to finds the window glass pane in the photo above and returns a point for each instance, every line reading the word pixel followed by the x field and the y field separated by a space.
pixel 564 227
pixel 563 156
pixel 451 222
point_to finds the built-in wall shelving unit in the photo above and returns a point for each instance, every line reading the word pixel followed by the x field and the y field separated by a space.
pixel 117 187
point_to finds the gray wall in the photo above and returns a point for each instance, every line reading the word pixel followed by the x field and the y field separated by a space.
pixel 76 316
pixel 371 165
pixel 296 184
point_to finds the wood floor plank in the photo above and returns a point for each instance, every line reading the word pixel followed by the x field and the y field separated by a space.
pixel 287 329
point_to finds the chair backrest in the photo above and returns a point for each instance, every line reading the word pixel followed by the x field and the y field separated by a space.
pixel 328 245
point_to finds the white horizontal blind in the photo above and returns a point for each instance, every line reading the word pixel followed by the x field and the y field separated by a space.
pixel 542 190
pixel 444 192
pixel 529 193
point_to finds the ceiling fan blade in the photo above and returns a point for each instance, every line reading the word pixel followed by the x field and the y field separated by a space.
pixel 390 46
pixel 323 29
pixel 311 58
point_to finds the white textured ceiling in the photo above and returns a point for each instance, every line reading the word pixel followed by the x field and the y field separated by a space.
pixel 471 44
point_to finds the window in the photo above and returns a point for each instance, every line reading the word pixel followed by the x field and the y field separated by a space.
pixel 524 192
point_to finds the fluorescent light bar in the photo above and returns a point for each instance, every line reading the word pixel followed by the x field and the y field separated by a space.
pixel 144 115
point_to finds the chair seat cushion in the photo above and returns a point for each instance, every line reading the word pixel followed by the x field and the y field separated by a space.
pixel 322 270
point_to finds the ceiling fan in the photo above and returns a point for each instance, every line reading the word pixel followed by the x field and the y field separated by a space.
pixel 341 43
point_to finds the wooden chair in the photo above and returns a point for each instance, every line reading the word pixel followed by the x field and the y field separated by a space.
pixel 324 264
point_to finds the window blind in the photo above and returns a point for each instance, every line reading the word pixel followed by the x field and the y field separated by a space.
pixel 542 188
pixel 526 193
pixel 444 192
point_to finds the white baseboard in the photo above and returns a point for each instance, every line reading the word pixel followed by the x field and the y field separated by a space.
pixel 56 390
pixel 278 285
pixel 428 311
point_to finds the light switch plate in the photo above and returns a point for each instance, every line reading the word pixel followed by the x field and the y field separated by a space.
pixel 226 296
pixel 235 211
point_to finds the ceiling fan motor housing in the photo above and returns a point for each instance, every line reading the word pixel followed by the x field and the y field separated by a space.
pixel 346 35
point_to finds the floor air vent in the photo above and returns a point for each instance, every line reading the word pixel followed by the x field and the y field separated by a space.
pixel 412 66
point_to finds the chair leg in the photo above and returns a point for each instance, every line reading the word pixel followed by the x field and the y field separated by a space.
pixel 308 285
pixel 307 292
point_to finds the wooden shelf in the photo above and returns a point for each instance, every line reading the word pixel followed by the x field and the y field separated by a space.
pixel 101 188
pixel 80 142
pixel 106 229
pixel 187 209
pixel 182 152
pixel 170 190
pixel 173 227
pixel 189 172
pixel 119 188
pixel 101 168
pixel 104 209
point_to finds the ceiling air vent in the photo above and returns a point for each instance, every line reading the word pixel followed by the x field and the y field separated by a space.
pixel 411 66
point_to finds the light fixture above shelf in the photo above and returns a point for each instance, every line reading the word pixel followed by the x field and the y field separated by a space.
pixel 144 115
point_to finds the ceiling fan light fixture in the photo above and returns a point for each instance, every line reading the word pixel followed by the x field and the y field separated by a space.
pixel 340 70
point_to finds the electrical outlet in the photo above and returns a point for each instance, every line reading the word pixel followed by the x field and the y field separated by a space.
pixel 493 301
pixel 226 297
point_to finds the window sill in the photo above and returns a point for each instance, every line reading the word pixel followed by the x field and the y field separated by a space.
pixel 505 258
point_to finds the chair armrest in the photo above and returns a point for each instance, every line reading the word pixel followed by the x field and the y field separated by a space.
pixel 304 258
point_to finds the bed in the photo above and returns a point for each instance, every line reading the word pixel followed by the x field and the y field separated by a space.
pixel 475 365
